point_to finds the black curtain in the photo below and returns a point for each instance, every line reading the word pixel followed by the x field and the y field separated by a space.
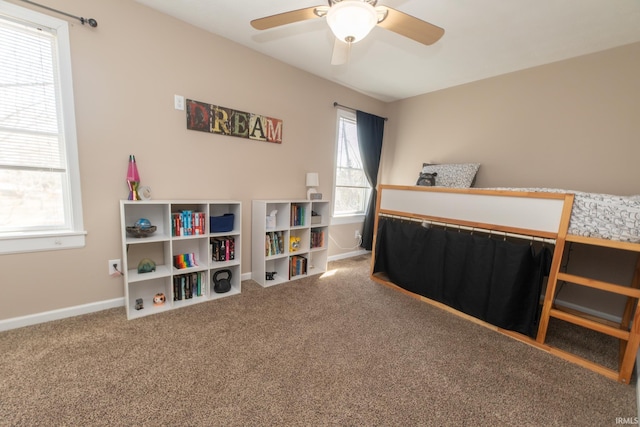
pixel 370 133
pixel 491 279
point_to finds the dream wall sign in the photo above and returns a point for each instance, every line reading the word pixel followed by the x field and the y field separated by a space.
pixel 226 121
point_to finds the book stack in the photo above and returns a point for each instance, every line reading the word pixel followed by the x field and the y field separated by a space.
pixel 184 261
pixel 187 223
pixel 274 243
pixel 317 238
pixel 223 248
pixel 186 286
pixel 297 266
pixel 297 215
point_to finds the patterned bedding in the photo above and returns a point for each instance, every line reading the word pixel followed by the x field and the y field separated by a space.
pixel 604 216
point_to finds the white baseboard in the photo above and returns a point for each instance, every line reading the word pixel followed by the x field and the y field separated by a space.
pixel 48 316
pixel 348 255
pixel 600 314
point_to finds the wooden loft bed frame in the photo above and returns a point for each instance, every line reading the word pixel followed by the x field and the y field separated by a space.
pixel 535 215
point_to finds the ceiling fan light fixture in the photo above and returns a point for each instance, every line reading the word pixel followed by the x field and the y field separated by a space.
pixel 352 20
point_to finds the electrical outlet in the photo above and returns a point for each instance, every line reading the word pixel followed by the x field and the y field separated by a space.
pixel 115 268
pixel 178 102
pixel 358 235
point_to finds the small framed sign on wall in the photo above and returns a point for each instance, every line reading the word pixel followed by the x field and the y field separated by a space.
pixel 211 118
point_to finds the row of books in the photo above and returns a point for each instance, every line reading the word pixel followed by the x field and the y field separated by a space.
pixel 317 238
pixel 223 248
pixel 297 215
pixel 186 286
pixel 188 223
pixel 297 266
pixel 274 243
pixel 184 261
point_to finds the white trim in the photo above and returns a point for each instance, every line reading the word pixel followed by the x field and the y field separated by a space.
pixel 48 316
pixel 596 313
pixel 348 255
pixel 41 242
pixel 347 219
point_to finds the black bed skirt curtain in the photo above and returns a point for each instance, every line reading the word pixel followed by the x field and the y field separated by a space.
pixel 491 279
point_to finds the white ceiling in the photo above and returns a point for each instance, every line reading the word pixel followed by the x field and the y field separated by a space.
pixel 483 38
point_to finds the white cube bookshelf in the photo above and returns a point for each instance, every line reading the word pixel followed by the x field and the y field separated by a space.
pixel 165 243
pixel 273 259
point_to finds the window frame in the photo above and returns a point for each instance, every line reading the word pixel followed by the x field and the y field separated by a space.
pixel 74 235
pixel 344 218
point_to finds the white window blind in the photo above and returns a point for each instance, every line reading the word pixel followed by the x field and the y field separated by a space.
pixel 352 189
pixel 37 133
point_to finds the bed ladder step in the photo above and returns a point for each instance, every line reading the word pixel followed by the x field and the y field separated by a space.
pixel 597 284
pixel 628 331
pixel 593 241
pixel 590 324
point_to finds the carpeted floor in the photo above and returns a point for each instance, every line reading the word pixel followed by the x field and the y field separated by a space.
pixel 332 350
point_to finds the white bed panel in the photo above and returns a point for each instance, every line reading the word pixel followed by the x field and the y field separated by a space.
pixel 538 213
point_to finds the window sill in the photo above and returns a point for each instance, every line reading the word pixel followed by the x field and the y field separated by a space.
pixel 21 243
pixel 347 219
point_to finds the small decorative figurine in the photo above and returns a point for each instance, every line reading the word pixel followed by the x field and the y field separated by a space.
pixel 133 178
pixel 143 223
pixel 159 299
pixel 142 228
pixel 427 179
pixel 146 265
pixel 139 304
pixel 294 243
pixel 269 275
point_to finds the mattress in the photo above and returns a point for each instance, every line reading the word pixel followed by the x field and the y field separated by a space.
pixel 606 216
pixel 603 216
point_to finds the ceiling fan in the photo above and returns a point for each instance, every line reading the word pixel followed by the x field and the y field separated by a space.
pixel 351 20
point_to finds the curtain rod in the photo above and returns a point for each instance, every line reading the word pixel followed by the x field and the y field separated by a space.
pixel 426 222
pixel 92 22
pixel 335 104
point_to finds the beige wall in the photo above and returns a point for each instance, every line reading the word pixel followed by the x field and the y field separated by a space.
pixel 573 124
pixel 126 72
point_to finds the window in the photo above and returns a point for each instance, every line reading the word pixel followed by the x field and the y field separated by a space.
pixel 40 206
pixel 352 189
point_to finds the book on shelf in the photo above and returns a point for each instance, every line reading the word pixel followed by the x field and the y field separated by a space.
pixel 188 291
pixel 317 238
pixel 223 248
pixel 187 286
pixel 297 215
pixel 187 223
pixel 297 266
pixel 274 243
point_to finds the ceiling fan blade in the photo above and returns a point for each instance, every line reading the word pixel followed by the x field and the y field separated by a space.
pixel 341 51
pixel 284 18
pixel 410 26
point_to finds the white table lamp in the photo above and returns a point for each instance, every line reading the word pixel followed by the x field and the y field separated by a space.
pixel 312 182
